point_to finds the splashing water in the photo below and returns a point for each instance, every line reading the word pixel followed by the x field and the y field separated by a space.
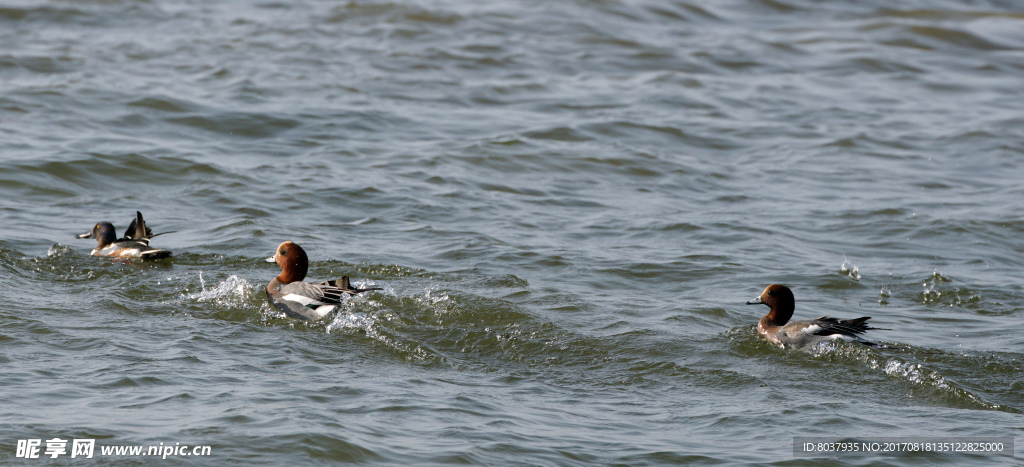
pixel 850 270
pixel 58 250
pixel 361 321
pixel 884 295
pixel 232 291
pixel 369 283
pixel 936 292
pixel 913 372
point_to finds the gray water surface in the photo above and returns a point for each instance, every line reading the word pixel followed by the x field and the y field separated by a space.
pixel 567 204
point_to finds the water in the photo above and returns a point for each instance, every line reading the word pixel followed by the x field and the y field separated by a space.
pixel 567 203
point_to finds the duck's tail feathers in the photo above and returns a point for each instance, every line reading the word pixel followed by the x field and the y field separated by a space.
pixel 346 285
pixel 151 235
pixel 851 327
pixel 155 254
pixel 861 323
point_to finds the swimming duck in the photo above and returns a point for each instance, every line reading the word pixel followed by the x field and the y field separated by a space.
pixel 304 300
pixel 134 244
pixel 803 334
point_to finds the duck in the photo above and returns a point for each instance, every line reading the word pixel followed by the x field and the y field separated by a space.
pixel 304 301
pixel 803 334
pixel 134 244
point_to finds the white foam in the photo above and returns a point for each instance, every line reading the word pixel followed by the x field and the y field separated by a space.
pixel 913 372
pixel 232 291
pixel 57 249
pixel 386 288
pixel 352 321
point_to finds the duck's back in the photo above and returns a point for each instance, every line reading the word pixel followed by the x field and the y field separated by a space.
pixel 806 333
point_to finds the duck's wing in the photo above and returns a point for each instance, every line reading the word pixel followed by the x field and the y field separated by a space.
pixel 306 293
pixel 302 300
pixel 138 230
pixel 809 332
pixel 312 301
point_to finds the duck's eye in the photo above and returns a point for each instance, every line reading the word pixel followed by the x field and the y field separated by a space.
pixel 283 253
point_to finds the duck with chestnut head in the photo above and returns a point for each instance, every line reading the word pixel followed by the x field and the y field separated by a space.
pixel 807 333
pixel 305 301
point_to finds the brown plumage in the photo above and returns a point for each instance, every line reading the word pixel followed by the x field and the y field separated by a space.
pixel 803 334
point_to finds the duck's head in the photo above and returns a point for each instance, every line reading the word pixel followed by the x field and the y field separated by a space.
pixel 293 261
pixel 103 232
pixel 780 299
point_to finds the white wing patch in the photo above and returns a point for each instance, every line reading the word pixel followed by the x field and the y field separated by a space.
pixel 304 300
pixel 814 328
pixel 811 329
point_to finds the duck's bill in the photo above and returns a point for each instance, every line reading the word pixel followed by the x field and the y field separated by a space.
pixel 756 301
pixel 270 260
pixel 86 235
